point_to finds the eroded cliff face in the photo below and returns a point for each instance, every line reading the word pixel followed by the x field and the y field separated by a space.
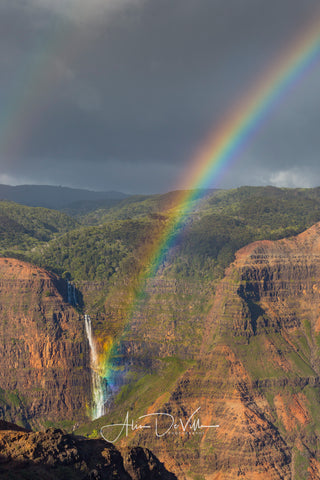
pixel 44 358
pixel 257 374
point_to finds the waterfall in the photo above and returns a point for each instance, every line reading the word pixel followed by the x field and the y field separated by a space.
pixel 98 382
pixel 72 297
pixel 99 388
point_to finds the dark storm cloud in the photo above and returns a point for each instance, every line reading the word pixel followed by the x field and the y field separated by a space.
pixel 119 95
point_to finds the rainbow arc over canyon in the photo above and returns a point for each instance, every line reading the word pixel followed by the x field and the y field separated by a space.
pixel 223 147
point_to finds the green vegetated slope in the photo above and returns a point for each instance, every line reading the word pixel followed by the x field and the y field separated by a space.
pixel 113 251
pixel 242 202
pixel 221 224
pixel 24 227
pixel 132 207
pixel 97 253
pixel 82 208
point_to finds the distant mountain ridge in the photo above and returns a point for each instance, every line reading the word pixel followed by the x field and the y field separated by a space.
pixel 54 197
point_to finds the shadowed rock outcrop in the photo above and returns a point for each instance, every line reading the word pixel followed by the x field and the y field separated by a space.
pixel 54 455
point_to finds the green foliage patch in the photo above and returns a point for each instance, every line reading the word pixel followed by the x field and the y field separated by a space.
pixel 22 228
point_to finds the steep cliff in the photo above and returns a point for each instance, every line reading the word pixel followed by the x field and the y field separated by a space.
pixel 44 358
pixel 256 373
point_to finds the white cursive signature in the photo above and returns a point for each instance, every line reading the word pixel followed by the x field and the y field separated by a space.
pixel 193 424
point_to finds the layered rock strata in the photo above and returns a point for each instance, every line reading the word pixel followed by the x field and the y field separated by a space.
pixel 44 358
pixel 257 373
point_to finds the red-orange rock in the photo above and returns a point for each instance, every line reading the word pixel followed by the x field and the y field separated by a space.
pixel 44 358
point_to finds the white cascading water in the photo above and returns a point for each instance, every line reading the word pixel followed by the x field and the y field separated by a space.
pixel 98 383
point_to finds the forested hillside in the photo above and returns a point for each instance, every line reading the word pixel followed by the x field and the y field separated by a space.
pixel 24 227
pixel 221 223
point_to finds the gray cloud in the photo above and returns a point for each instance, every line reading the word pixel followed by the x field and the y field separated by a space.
pixel 119 95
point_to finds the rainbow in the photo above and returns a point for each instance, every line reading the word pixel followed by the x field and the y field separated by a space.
pixel 227 142
pixel 222 147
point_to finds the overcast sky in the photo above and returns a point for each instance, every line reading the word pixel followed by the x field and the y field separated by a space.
pixel 119 94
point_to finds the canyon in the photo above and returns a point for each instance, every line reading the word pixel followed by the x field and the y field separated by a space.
pixel 245 349
pixel 256 372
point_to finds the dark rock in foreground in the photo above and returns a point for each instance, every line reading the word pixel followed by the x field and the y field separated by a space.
pixel 54 455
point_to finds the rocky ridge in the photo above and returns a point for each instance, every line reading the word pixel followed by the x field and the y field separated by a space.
pixel 55 455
